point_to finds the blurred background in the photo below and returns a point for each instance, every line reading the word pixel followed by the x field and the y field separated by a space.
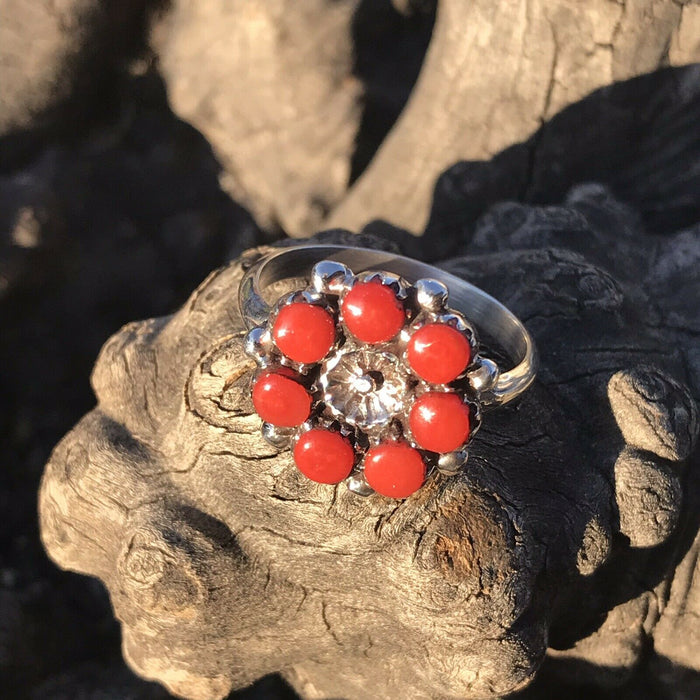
pixel 144 143
pixel 112 208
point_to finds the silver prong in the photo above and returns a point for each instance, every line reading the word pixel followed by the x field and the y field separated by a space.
pixel 431 294
pixel 452 462
pixel 277 436
pixel 257 344
pixel 357 484
pixel 330 277
pixel 485 376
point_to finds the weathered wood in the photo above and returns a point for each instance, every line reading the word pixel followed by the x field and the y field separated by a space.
pixel 576 524
pixel 494 73
pixel 270 85
pixel 223 564
pixel 278 87
pixel 282 89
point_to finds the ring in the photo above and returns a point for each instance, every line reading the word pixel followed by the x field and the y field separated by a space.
pixel 366 372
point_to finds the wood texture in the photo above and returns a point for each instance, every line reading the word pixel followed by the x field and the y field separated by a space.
pixel 494 73
pixel 78 51
pixel 568 548
pixel 283 90
pixel 223 564
pixel 270 85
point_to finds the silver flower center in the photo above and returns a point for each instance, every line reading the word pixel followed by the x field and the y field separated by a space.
pixel 366 388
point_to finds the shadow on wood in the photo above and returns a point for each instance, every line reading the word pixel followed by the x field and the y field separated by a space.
pixel 574 526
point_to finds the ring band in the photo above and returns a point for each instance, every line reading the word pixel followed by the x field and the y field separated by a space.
pixel 487 314
pixel 366 372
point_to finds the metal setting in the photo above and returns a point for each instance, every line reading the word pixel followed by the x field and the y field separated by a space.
pixel 364 387
pixel 366 391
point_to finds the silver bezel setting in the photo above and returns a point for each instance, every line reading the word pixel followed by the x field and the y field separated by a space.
pixel 425 302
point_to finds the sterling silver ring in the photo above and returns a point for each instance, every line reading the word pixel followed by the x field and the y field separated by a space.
pixel 369 363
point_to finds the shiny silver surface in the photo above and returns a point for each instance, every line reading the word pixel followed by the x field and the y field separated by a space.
pixel 452 462
pixel 358 485
pixel 431 294
pixel 329 277
pixel 277 436
pixel 484 376
pixel 366 388
pixel 483 311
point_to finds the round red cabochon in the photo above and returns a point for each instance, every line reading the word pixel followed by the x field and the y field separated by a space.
pixel 304 332
pixel 281 400
pixel 372 312
pixel 439 422
pixel 394 469
pixel 324 456
pixel 438 353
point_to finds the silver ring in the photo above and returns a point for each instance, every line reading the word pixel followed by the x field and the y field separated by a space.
pixel 346 376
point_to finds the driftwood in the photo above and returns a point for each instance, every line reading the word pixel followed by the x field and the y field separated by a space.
pixel 94 235
pixel 224 565
pixel 78 52
pixel 288 93
pixel 575 527
pixel 493 73
pixel 281 90
pixel 271 87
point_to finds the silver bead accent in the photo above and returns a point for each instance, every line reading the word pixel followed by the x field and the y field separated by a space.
pixel 485 376
pixel 257 344
pixel 358 484
pixel 330 277
pixel 277 436
pixel 457 321
pixel 452 462
pixel 431 294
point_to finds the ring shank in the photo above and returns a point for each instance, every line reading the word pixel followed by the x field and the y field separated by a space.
pixel 485 312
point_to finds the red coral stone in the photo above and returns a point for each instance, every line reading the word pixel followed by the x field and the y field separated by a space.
pixel 394 469
pixel 439 422
pixel 280 399
pixel 324 456
pixel 438 353
pixel 372 312
pixel 304 332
